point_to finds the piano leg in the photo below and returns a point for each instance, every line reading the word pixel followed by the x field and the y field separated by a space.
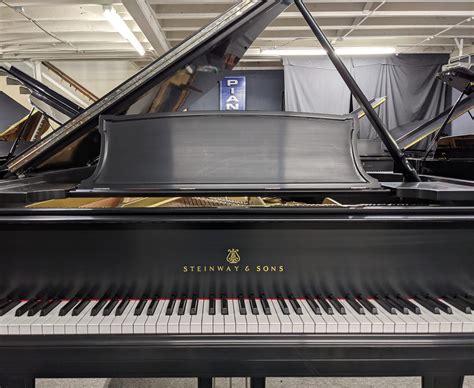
pixel 205 382
pixel 442 381
pixel 17 382
pixel 257 382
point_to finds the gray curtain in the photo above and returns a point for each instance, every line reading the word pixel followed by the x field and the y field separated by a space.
pixel 408 81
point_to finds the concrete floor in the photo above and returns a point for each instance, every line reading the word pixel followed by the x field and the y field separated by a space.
pixel 347 382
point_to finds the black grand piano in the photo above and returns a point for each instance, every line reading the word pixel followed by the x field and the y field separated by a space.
pixel 139 239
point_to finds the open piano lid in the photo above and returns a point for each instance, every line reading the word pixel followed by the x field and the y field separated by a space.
pixel 226 152
pixel 193 67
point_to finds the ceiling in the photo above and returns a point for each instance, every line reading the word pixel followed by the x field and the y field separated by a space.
pixel 76 29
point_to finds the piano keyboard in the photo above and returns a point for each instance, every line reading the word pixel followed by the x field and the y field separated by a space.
pixel 378 315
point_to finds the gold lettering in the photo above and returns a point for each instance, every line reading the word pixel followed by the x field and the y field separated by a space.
pixel 273 268
pixel 220 268
pixel 236 268
pixel 258 268
pixel 211 268
pixel 185 268
pixel 198 268
pixel 281 268
pixel 228 269
pixel 247 268
pixel 191 268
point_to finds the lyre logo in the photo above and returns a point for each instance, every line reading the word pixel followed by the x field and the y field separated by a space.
pixel 233 256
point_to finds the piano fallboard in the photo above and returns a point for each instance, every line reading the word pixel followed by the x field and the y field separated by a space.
pixel 166 252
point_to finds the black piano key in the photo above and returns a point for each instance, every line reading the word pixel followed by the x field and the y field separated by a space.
pixel 283 305
pixel 110 306
pixel 296 306
pixel 50 307
pixel 466 300
pixel 9 306
pixel 182 305
pixel 458 303
pixel 98 307
pixel 324 304
pixel 356 306
pixel 170 306
pixel 409 305
pixel 442 306
pixel 385 304
pixel 121 307
pixel 313 304
pixel 224 305
pixel 23 309
pixel 397 304
pixel 212 305
pixel 265 305
pixel 336 304
pixel 80 307
pixel 242 309
pixel 253 305
pixel 428 304
pixel 367 305
pixel 152 306
pixel 140 306
pixel 68 307
pixel 36 308
pixel 194 305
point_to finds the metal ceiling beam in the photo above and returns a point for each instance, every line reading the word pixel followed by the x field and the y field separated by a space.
pixel 146 20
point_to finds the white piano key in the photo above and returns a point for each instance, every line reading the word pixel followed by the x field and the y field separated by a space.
pixel 240 319
pixel 229 319
pixel 331 323
pixel 466 319
pixel 21 325
pixel 434 325
pixel 207 319
pixel 273 319
pixel 197 319
pixel 375 322
pixel 286 323
pixel 149 323
pixel 45 324
pixel 365 325
pixel 104 325
pixel 262 319
pixel 116 325
pixel 127 323
pixel 94 323
pixel 185 321
pixel 382 315
pixel 422 325
pixel 308 322
pixel 218 319
pixel 173 322
pixel 353 322
pixel 161 326
pixel 399 324
pixel 342 323
pixel 72 325
pixel 84 322
pixel 4 319
pixel 319 322
pixel 296 321
pixel 251 320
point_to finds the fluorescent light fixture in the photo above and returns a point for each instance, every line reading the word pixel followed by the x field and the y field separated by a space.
pixel 118 23
pixel 339 50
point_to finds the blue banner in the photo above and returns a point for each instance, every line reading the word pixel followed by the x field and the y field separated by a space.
pixel 233 93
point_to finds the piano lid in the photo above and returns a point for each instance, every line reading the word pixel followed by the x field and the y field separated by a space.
pixel 46 100
pixel 177 78
pixel 258 152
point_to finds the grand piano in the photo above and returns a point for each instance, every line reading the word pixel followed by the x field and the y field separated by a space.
pixel 140 239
